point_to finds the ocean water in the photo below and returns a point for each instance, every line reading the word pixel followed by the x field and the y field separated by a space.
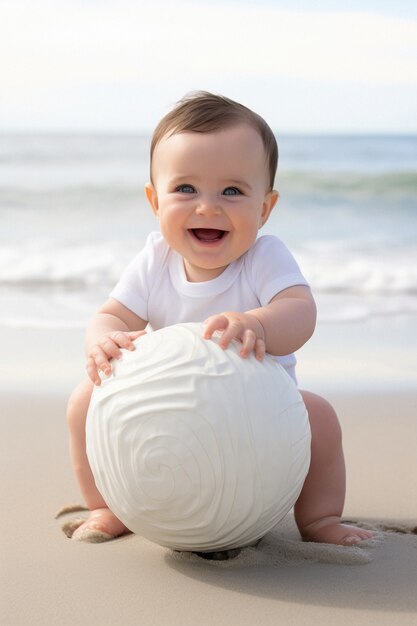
pixel 73 213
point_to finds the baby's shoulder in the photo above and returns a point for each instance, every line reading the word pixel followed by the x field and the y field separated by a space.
pixel 268 255
pixel 156 241
pixel 152 257
pixel 156 248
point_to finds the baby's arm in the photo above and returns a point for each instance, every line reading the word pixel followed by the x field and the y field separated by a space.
pixel 281 327
pixel 113 327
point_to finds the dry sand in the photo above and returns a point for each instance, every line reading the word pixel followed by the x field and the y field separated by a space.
pixel 47 579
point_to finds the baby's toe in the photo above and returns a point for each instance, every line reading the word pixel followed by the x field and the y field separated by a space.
pixel 88 534
pixel 351 540
pixel 69 527
pixel 356 537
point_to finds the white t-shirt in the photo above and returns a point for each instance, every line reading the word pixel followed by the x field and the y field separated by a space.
pixel 155 287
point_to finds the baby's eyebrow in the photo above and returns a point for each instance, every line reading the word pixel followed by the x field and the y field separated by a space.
pixel 181 176
pixel 239 183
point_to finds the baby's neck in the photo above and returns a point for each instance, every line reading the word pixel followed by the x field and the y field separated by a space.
pixel 196 274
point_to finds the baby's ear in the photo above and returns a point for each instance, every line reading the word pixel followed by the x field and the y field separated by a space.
pixel 152 196
pixel 270 201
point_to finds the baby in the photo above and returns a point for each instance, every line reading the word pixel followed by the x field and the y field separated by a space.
pixel 213 165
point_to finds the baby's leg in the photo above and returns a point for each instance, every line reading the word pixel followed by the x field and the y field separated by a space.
pixel 101 520
pixel 319 507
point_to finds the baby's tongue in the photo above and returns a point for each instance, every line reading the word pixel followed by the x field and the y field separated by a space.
pixel 207 234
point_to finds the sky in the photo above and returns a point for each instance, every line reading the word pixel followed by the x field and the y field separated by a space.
pixel 119 65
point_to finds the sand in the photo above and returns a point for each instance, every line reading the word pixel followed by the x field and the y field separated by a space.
pixel 49 579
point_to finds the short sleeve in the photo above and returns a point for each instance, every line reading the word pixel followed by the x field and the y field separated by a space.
pixel 272 268
pixel 134 285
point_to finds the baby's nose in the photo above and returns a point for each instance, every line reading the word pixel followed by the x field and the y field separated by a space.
pixel 208 205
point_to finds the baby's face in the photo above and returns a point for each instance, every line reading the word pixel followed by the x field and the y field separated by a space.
pixel 211 196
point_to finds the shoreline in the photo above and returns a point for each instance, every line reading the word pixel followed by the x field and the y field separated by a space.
pixel 377 354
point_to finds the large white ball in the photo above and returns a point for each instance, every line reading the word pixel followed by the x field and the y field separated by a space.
pixel 194 447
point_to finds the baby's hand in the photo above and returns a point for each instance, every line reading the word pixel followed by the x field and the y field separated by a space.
pixel 244 327
pixel 107 348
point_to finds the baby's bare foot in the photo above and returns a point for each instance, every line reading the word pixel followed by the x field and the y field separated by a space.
pixel 101 525
pixel 331 530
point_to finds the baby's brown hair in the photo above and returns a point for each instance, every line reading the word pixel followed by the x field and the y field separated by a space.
pixel 204 112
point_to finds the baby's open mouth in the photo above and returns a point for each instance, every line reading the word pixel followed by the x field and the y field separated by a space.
pixel 208 234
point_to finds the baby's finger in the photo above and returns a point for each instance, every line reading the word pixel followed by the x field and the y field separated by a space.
pixel 248 343
pixel 135 334
pixel 109 347
pixel 100 359
pixel 260 349
pixel 122 340
pixel 213 323
pixel 92 371
pixel 234 330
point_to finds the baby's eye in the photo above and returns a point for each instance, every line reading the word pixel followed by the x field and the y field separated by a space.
pixel 185 189
pixel 232 191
